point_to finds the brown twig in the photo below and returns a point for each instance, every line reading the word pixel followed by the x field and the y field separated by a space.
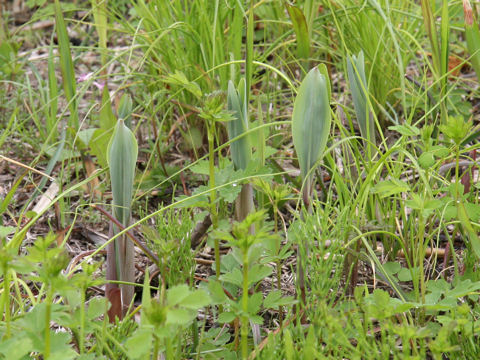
pixel 200 230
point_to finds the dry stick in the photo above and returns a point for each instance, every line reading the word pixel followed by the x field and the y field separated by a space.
pixel 26 167
pixel 80 256
pixel 137 242
pixel 200 230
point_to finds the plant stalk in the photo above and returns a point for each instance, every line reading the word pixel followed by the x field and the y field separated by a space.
pixel 213 194
pixel 244 328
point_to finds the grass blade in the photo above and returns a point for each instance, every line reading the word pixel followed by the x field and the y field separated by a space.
pixel 66 65
pixel 301 31
pixel 472 35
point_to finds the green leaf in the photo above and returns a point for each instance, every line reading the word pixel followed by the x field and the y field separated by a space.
pixel 404 275
pixel 254 303
pixel 179 78
pixel 196 300
pixel 226 317
pixel 217 293
pixel 201 168
pixel 60 346
pixel 106 116
pixel 391 268
pixel 180 316
pixel 234 277
pixel 311 122
pixel 274 299
pixel 122 158
pixel 139 344
pixel 456 128
pixel 15 347
pixel 473 211
pixel 405 129
pixel 359 88
pixel 66 65
pixel 472 35
pixel 258 272
pixel 6 230
pixel 177 294
pixel 241 149
pixel 288 345
pixel 301 31
pixel 390 187
pixel 472 234
pixel 96 308
pixel 125 107
pixel 426 160
pixel 99 145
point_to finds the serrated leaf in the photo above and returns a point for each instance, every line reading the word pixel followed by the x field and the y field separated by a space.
pixel 177 294
pixel 60 346
pixel 15 347
pixel 254 303
pixel 275 299
pixel 258 272
pixel 390 187
pixel 217 293
pixel 96 308
pixel 196 300
pixel 201 167
pixel 226 317
pixel 426 160
pixel 256 319
pixel 139 344
pixel 180 316
pixel 234 277
pixel 405 129
pixel 473 211
pixel 440 151
pixel 391 268
pixel 6 230
pixel 179 78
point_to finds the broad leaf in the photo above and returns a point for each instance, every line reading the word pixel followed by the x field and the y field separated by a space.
pixel 311 122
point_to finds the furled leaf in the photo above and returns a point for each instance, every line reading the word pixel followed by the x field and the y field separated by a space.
pixel 241 149
pixel 358 86
pixel 122 158
pixel 301 31
pixel 311 122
